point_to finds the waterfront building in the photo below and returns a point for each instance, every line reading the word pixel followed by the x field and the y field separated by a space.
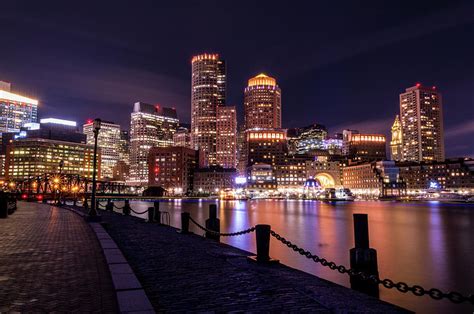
pixel 208 91
pixel 15 110
pixel 328 172
pixel 182 138
pixel 373 179
pixel 421 117
pixel 346 140
pixel 396 144
pixel 109 141
pixel 124 147
pixel 453 175
pixel 213 180
pixel 120 171
pixel 291 174
pixel 367 147
pixel 334 144
pixel 262 103
pixel 172 168
pixel 150 126
pixel 261 180
pixel 226 143
pixel 265 146
pixel 31 157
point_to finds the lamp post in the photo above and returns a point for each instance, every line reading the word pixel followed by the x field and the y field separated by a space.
pixel 93 210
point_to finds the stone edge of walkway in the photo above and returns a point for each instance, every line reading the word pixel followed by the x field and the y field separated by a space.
pixel 131 296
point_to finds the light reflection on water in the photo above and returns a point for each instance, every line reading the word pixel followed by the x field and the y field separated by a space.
pixel 430 244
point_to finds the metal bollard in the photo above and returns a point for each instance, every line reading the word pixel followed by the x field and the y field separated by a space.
pixel 126 208
pixel 3 207
pixel 363 258
pixel 97 204
pixel 262 235
pixel 213 223
pixel 156 205
pixel 151 214
pixel 110 206
pixel 86 205
pixel 184 223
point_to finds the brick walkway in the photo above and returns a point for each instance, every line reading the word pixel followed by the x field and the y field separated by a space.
pixel 50 260
pixel 189 273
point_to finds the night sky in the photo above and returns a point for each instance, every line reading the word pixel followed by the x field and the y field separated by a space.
pixel 341 64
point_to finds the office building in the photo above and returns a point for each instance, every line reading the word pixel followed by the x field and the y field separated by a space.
pixel 226 143
pixel 182 138
pixel 172 168
pixel 208 91
pixel 32 157
pixel 124 151
pixel 262 103
pixel 15 110
pixel 213 180
pixel 150 126
pixel 364 147
pixel 265 147
pixel 311 138
pixel 421 117
pixel 109 141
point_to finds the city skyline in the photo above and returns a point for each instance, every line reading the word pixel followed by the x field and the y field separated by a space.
pixel 329 90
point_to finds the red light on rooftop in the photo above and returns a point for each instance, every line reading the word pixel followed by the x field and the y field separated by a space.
pixel 418 84
pixel 89 121
pixel 433 88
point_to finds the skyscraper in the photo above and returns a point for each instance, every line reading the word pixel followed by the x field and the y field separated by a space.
pixel 226 155
pixel 262 103
pixel 15 110
pixel 208 91
pixel 421 117
pixel 109 143
pixel 396 144
pixel 150 126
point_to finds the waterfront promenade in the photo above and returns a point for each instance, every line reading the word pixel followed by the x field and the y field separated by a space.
pixel 52 262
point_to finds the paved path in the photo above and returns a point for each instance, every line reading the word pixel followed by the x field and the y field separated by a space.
pixel 191 273
pixel 50 260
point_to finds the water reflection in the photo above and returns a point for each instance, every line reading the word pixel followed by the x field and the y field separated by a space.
pixel 430 244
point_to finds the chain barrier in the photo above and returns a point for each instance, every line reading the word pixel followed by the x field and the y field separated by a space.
pixel 116 207
pixel 231 234
pixel 139 213
pixel 403 287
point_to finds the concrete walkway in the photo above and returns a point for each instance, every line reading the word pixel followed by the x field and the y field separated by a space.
pixel 51 260
pixel 190 273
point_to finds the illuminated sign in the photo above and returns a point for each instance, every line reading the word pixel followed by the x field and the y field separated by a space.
pixel 434 185
pixel 58 121
pixel 240 180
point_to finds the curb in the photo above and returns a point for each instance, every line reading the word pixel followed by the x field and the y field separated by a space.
pixel 131 296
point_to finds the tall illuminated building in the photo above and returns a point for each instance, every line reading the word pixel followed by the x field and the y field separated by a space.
pixel 208 91
pixel 150 126
pixel 15 110
pixel 262 103
pixel 226 143
pixel 396 144
pixel 109 143
pixel 421 117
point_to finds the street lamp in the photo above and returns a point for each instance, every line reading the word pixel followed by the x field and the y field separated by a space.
pixel 93 210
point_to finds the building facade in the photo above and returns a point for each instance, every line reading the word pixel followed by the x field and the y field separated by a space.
pixel 32 157
pixel 150 126
pixel 311 138
pixel 109 141
pixel 15 110
pixel 396 144
pixel 182 138
pixel 367 147
pixel 262 103
pixel 421 117
pixel 226 142
pixel 172 168
pixel 208 91
pixel 213 180
pixel 265 147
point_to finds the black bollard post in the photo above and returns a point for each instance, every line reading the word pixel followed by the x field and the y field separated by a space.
pixel 363 258
pixel 3 206
pixel 110 206
pixel 86 205
pixel 126 208
pixel 156 205
pixel 262 237
pixel 151 214
pixel 184 223
pixel 213 223
pixel 97 204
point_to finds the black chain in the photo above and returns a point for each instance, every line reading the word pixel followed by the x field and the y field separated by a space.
pixel 118 207
pixel 138 213
pixel 403 287
pixel 231 234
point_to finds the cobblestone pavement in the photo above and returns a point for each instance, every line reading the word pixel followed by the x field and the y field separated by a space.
pixel 51 261
pixel 190 273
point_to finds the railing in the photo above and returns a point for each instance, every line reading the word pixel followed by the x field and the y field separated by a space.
pixel 363 272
